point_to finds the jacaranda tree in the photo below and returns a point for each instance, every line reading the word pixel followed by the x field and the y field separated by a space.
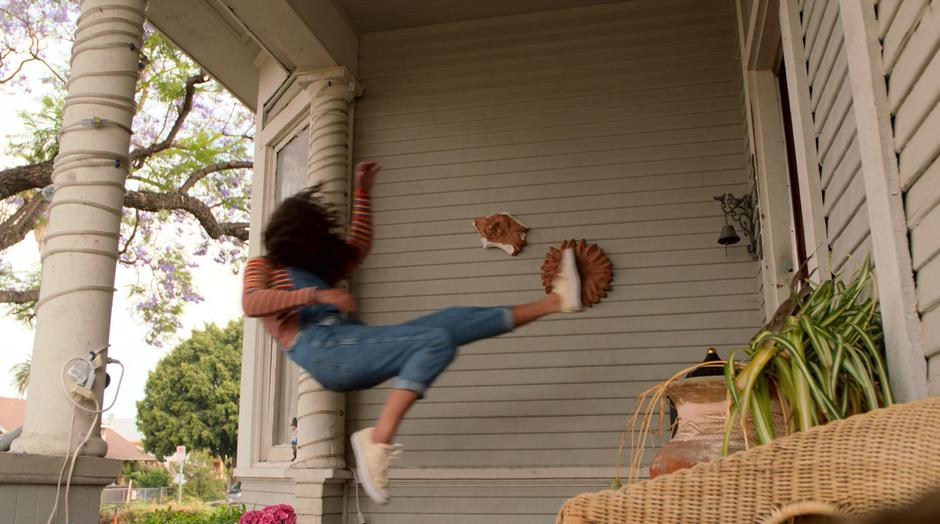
pixel 188 189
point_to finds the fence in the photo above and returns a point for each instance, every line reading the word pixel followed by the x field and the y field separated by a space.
pixel 120 495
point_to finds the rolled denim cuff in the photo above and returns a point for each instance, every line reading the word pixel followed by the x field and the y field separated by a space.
pixel 507 319
pixel 410 385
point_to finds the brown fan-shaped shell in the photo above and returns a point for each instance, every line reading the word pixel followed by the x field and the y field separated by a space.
pixel 593 265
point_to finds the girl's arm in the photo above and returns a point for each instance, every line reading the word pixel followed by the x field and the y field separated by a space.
pixel 360 224
pixel 360 227
pixel 260 299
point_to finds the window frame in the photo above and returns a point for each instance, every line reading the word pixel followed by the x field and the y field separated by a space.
pixel 261 349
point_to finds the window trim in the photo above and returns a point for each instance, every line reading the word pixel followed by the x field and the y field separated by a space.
pixel 260 352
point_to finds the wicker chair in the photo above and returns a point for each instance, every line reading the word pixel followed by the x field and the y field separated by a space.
pixel 882 459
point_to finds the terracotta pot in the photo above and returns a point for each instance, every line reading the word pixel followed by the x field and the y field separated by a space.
pixel 702 406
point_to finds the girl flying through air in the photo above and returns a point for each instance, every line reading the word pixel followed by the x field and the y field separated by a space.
pixel 294 290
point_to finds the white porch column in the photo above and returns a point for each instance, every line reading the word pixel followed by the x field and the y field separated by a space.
pixel 321 428
pixel 891 250
pixel 73 315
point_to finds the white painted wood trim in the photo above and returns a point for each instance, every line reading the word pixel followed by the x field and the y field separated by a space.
pixel 773 191
pixel 762 40
pixel 254 446
pixel 758 141
pixel 891 251
pixel 742 50
pixel 814 218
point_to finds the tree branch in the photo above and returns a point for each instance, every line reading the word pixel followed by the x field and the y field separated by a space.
pixel 198 175
pixel 37 176
pixel 22 178
pixel 138 155
pixel 19 296
pixel 15 228
pixel 150 201
pixel 130 239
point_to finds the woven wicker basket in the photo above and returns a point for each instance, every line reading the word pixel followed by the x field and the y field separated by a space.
pixel 882 459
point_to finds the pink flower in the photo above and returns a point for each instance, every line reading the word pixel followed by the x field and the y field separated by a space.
pixel 277 514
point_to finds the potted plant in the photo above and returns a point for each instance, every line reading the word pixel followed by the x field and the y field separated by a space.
pixel 822 356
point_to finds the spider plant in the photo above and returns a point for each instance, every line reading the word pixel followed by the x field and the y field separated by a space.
pixel 822 360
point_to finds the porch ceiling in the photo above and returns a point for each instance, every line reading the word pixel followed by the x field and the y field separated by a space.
pixel 214 38
pixel 383 15
pixel 226 37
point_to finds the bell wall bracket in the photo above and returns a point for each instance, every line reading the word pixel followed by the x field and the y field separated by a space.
pixel 740 210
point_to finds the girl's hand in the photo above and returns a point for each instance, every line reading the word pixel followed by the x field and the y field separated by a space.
pixel 337 297
pixel 365 174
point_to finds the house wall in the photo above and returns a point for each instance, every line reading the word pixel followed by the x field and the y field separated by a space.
pixel 834 124
pixel 614 123
pixel 910 35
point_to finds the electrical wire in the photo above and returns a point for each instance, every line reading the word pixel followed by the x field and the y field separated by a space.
pixel 96 30
pixel 362 519
pixel 72 457
pixel 58 483
pixel 95 411
pixel 68 478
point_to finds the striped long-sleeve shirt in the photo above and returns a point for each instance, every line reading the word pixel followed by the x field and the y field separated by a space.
pixel 269 294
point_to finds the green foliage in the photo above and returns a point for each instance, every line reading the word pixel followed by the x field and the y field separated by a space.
pixel 202 481
pixel 20 373
pixel 825 363
pixel 19 281
pixel 39 139
pixel 147 476
pixel 187 514
pixel 191 398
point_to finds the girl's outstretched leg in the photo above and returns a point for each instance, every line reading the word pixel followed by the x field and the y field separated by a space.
pixel 525 313
pixel 372 446
pixel 399 400
pixel 423 362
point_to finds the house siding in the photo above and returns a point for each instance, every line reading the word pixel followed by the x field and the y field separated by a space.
pixel 910 34
pixel 615 123
pixel 834 123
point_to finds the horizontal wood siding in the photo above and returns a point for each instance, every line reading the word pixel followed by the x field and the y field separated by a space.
pixel 493 502
pixel 260 492
pixel 911 36
pixel 616 123
pixel 836 136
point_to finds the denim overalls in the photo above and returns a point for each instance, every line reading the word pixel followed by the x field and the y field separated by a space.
pixel 343 354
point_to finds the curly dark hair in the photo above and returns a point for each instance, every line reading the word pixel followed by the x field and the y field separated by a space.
pixel 301 233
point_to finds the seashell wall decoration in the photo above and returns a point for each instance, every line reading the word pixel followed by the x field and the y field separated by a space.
pixel 502 231
pixel 593 265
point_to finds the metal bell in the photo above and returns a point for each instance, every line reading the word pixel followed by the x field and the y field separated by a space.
pixel 728 235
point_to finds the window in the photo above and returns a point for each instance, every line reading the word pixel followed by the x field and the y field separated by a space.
pixel 290 175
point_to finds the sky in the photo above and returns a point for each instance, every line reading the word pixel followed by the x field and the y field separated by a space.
pixel 215 282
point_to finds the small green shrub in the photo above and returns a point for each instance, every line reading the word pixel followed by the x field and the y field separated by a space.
pixel 202 481
pixel 218 515
pixel 172 514
pixel 150 478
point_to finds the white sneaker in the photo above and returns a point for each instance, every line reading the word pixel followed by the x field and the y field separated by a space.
pixel 567 283
pixel 372 463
